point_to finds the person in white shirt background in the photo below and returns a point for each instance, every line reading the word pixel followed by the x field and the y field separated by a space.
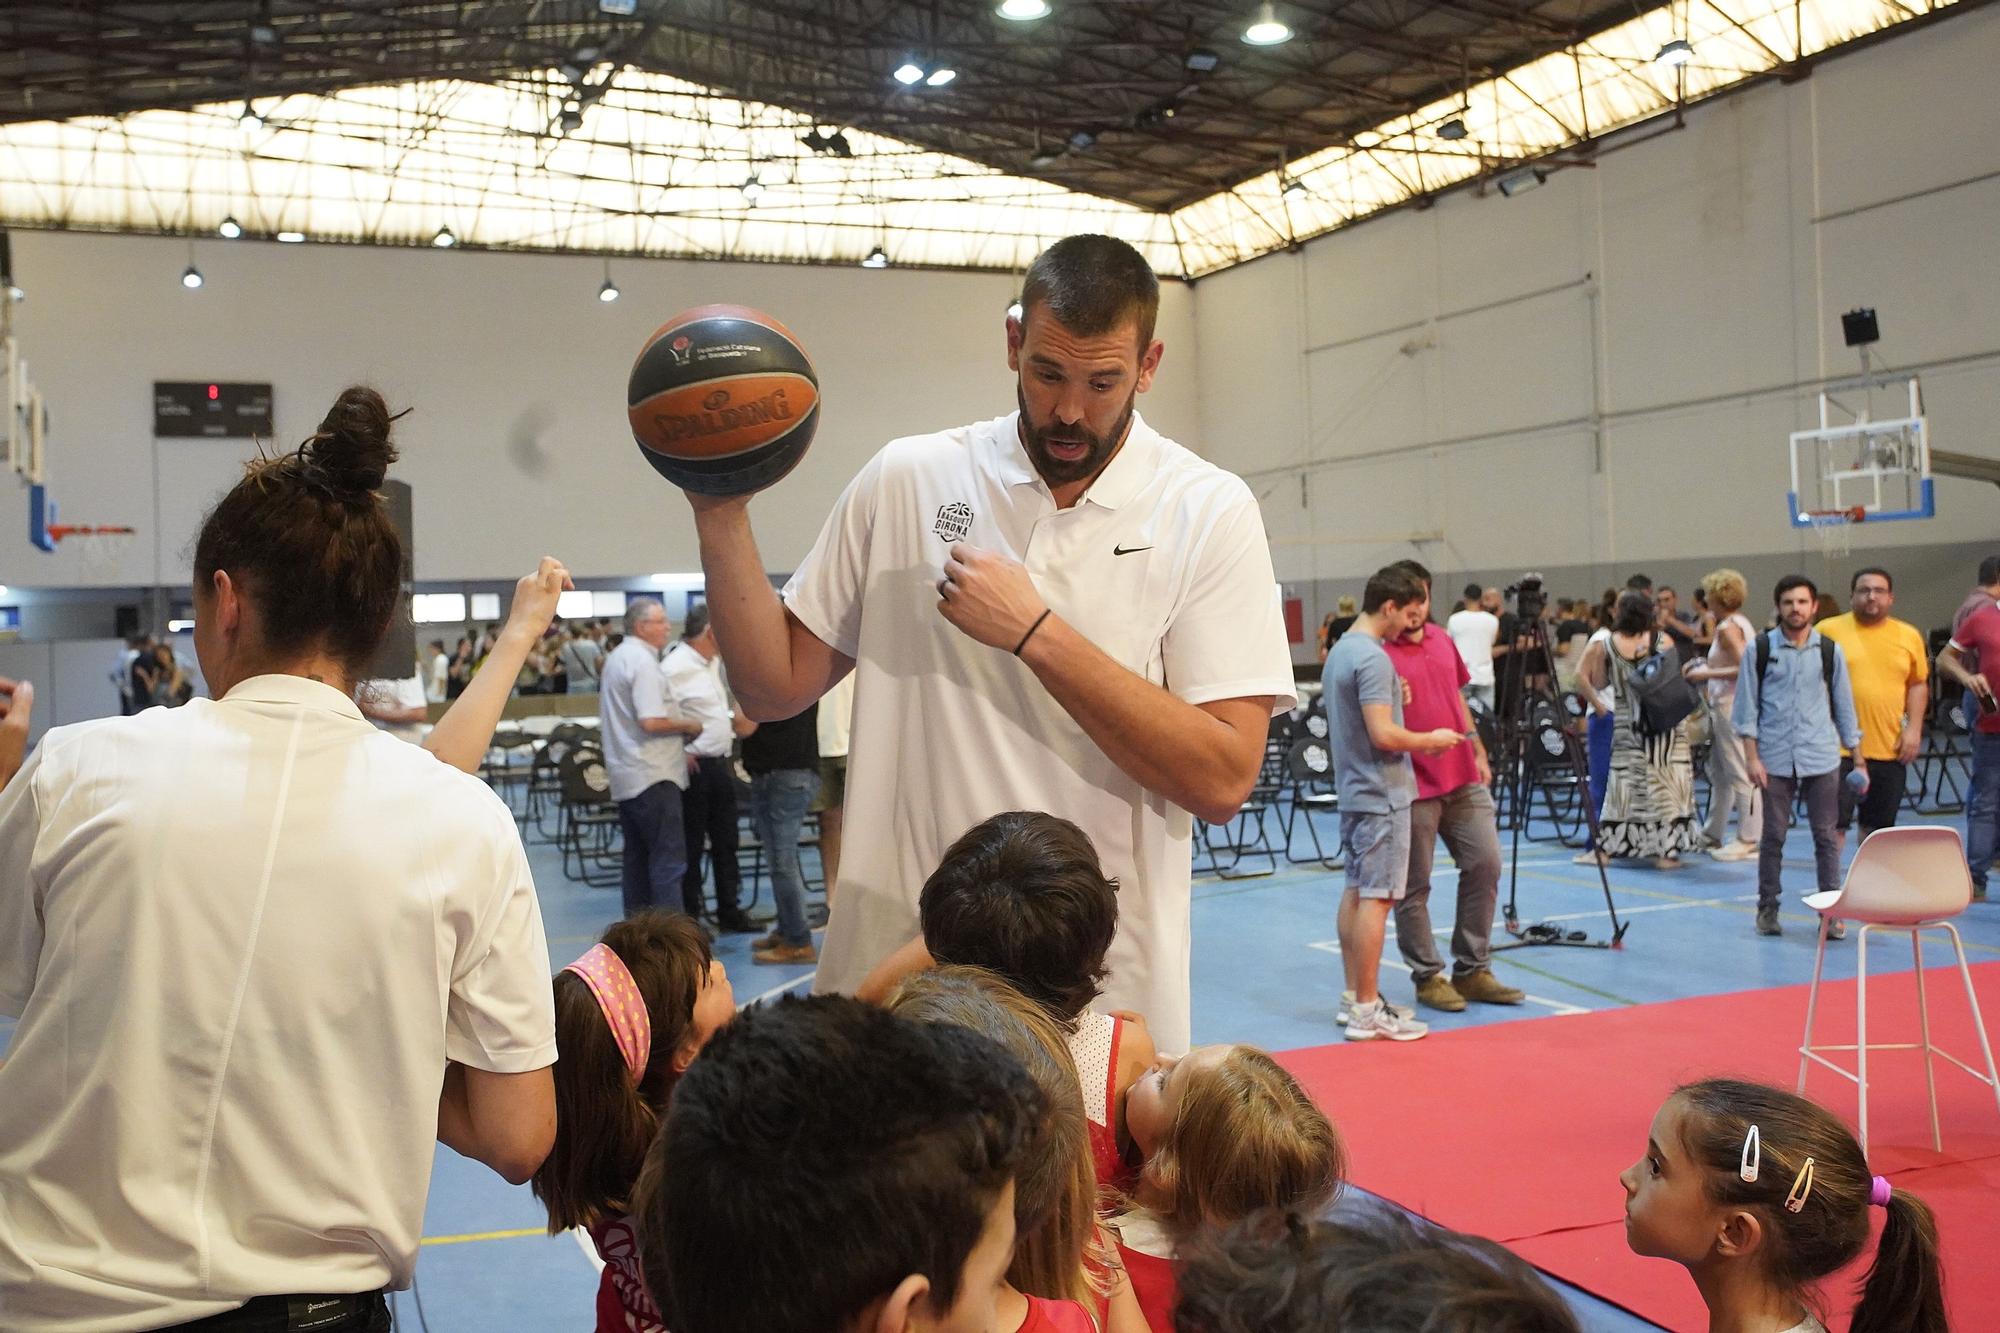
pixel 437 668
pixel 708 807
pixel 645 758
pixel 1058 609
pixel 1473 630
pixel 250 991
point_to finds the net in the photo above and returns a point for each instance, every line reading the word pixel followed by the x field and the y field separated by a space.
pixel 1833 529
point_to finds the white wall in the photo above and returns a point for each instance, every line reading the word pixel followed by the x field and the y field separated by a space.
pixel 518 443
pixel 1443 379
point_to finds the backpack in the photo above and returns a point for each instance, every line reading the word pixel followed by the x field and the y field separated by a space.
pixel 1764 665
pixel 1664 698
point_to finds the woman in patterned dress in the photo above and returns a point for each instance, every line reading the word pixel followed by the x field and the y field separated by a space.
pixel 1649 796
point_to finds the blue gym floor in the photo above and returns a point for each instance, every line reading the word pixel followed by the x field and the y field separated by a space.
pixel 1266 971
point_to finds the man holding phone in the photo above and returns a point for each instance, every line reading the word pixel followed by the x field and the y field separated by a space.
pixel 1979 633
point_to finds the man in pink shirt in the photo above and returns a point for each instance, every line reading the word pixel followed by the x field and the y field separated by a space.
pixel 1453 802
pixel 1977 639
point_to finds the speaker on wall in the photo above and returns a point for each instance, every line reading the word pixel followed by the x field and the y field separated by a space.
pixel 126 622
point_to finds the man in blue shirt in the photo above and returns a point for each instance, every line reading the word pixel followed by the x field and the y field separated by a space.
pixel 1795 710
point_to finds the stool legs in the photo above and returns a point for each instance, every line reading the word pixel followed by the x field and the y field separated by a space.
pixel 1861 1025
pixel 1978 1022
pixel 1924 1022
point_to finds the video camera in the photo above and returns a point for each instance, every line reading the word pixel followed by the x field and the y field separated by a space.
pixel 1530 597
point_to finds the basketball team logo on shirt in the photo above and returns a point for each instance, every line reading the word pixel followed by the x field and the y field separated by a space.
pixel 953 521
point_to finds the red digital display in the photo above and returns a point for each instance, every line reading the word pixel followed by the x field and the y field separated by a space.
pixel 214 392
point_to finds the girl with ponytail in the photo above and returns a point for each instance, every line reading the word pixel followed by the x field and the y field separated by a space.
pixel 1760 1194
pixel 631 1015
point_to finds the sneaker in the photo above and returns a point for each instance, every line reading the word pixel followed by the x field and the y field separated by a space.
pixel 738 923
pixel 1767 921
pixel 1836 929
pixel 782 953
pixel 1734 851
pixel 1483 986
pixel 1590 859
pixel 1378 1022
pixel 1434 992
pixel 1346 1009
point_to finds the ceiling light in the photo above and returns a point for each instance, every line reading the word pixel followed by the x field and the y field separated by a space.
pixel 609 291
pixel 940 77
pixel 291 237
pixel 1083 140
pixel 877 258
pixel 1521 180
pixel 229 229
pixel 1266 29
pixel 190 277
pixel 444 240
pixel 752 189
pixel 1023 11
pixel 1453 129
pixel 16 293
pixel 1201 60
pixel 622 8
pixel 907 74
pixel 263 34
pixel 1677 52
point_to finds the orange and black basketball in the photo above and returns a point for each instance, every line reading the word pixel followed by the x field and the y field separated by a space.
pixel 723 400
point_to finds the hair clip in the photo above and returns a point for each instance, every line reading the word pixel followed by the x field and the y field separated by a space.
pixel 1753 1156
pixel 1801 1190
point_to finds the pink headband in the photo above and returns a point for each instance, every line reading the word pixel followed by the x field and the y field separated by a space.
pixel 1879 1190
pixel 624 1009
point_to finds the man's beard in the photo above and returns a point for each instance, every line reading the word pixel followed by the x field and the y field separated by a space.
pixel 1064 472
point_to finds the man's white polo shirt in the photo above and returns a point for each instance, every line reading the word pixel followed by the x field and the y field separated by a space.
pixel 243 938
pixel 1163 564
pixel 635 689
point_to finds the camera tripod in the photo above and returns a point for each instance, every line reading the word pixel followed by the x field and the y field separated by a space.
pixel 1537 721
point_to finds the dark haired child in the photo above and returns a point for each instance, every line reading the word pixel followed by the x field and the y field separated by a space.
pixel 1022 895
pixel 827 1167
pixel 1225 1132
pixel 1376 1271
pixel 1759 1194
pixel 631 1014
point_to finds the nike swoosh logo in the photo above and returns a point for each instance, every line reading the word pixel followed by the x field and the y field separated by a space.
pixel 1129 550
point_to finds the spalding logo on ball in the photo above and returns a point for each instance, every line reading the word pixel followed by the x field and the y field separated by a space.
pixel 723 400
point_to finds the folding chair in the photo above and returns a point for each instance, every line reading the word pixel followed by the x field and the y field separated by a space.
pixel 1309 792
pixel 587 832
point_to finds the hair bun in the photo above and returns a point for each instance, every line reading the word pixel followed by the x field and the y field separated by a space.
pixel 351 449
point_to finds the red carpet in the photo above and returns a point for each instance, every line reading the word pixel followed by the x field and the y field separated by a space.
pixel 1518 1130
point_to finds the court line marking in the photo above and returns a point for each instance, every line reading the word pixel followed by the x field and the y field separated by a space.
pixel 1558 1006
pixel 513 1233
pixel 778 989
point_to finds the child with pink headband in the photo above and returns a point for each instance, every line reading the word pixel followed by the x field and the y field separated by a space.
pixel 1760 1193
pixel 631 1014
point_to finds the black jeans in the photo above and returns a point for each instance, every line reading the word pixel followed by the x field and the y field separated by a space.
pixel 655 847
pixel 1886 780
pixel 367 1313
pixel 709 816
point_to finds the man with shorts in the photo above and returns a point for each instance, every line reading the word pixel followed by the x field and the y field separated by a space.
pixel 1890 669
pixel 1372 773
pixel 1057 609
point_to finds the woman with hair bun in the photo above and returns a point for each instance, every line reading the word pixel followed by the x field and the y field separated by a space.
pixel 262 954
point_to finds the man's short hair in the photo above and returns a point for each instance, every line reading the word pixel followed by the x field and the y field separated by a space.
pixel 1022 895
pixel 1791 581
pixel 1417 568
pixel 1472 592
pixel 1664 588
pixel 637 610
pixel 1639 583
pixel 1391 583
pixel 1989 571
pixel 1091 285
pixel 1379 1271
pixel 696 622
pixel 1861 574
pixel 816 1154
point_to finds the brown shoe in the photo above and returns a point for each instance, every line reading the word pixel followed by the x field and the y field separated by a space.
pixel 1483 986
pixel 1434 992
pixel 785 953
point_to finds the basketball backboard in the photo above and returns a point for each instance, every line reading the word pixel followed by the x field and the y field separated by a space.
pixel 1853 467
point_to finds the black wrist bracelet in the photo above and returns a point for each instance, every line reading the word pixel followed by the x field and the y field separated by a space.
pixel 1031 631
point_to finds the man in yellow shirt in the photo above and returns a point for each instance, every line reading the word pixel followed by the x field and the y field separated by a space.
pixel 1890 669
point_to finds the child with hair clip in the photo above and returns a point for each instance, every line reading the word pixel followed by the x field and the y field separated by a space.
pixel 1022 895
pixel 631 1014
pixel 1759 1194
pixel 1062 1278
pixel 1225 1132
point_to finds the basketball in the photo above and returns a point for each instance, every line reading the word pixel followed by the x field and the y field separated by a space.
pixel 723 400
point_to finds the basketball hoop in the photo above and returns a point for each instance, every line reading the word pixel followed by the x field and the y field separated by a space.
pixel 1833 528
pixel 103 545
